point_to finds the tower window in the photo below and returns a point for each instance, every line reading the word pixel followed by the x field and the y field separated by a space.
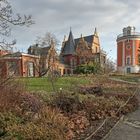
pixel 128 47
pixel 128 60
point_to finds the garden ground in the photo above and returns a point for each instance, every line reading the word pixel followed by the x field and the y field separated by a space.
pixel 68 108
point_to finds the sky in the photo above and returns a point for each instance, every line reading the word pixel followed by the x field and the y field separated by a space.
pixel 57 16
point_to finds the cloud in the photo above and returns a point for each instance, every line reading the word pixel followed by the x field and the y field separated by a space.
pixel 109 16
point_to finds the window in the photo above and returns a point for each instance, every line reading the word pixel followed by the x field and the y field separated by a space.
pixel 139 59
pixel 128 46
pixel 128 32
pixel 128 60
pixel 13 69
pixel 71 62
pixel 96 49
pixel 82 60
pixel 30 67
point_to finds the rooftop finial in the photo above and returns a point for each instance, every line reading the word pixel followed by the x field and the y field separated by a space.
pixel 95 32
pixel 64 38
pixel 52 42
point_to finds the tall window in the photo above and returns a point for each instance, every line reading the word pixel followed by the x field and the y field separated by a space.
pixel 96 49
pixel 82 60
pixel 30 67
pixel 128 60
pixel 12 67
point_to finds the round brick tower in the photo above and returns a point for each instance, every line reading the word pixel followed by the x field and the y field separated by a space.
pixel 128 44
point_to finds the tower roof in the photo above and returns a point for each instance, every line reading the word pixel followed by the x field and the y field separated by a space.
pixel 69 47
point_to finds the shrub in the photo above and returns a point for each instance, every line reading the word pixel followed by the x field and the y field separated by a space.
pixel 49 124
pixel 90 90
pixel 29 105
pixel 100 107
pixel 88 68
pixel 10 95
pixel 68 103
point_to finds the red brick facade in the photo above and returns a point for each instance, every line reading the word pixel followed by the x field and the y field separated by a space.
pixel 79 51
pixel 19 64
pixel 128 44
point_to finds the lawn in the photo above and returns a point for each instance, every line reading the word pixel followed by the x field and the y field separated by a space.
pixel 44 84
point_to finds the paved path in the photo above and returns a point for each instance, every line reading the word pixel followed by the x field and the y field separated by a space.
pixel 124 81
pixel 128 128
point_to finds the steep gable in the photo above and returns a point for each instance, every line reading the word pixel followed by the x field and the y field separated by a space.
pixel 88 39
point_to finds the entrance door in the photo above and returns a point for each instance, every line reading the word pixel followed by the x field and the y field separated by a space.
pixel 128 70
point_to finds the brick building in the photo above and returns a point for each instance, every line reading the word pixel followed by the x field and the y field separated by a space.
pixel 78 51
pixel 40 60
pixel 4 52
pixel 128 44
pixel 48 58
pixel 36 63
pixel 19 64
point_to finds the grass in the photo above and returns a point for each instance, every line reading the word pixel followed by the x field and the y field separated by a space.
pixel 44 84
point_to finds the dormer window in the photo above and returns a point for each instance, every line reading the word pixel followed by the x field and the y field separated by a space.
pixel 128 32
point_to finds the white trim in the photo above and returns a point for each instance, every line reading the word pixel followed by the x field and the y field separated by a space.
pixel 127 39
pixel 133 53
pixel 30 55
pixel 123 54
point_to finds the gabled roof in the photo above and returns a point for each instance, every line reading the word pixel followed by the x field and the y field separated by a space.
pixel 71 44
pixel 36 50
pixel 45 50
pixel 88 39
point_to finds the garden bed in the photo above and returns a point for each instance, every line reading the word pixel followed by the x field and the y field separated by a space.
pixel 65 115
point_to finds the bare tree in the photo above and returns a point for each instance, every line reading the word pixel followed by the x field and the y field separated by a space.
pixel 8 19
pixel 47 39
pixel 45 48
pixel 109 66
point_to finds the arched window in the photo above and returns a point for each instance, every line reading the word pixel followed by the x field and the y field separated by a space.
pixel 128 60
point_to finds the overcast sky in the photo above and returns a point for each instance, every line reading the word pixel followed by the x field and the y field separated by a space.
pixel 57 16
